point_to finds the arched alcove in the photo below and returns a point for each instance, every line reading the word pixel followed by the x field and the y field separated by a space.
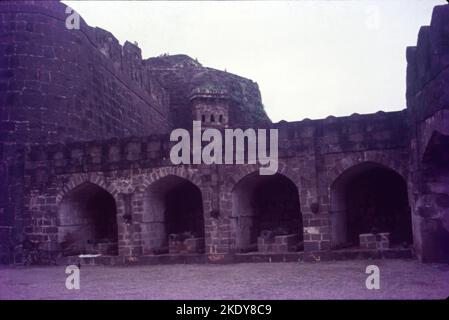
pixel 173 207
pixel 369 198
pixel 262 204
pixel 87 221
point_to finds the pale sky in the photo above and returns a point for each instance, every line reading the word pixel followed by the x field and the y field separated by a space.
pixel 311 58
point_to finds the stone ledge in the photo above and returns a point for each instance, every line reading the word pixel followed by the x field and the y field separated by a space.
pixel 256 257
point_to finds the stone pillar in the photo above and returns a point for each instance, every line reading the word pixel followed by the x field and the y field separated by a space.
pixel 127 245
pixel 315 213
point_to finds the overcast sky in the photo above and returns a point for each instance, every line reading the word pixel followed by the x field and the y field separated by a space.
pixel 310 58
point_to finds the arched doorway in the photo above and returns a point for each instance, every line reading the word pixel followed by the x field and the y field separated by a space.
pixel 173 219
pixel 87 221
pixel 370 198
pixel 267 208
pixel 432 209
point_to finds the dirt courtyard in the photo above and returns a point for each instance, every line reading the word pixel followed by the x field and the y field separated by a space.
pixel 399 279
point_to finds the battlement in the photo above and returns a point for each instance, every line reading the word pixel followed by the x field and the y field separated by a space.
pixel 342 134
pixel 377 131
pixel 112 154
pixel 209 93
pixel 428 67
pixel 100 39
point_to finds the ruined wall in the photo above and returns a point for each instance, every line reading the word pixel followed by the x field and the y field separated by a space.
pixel 60 88
pixel 126 168
pixel 428 111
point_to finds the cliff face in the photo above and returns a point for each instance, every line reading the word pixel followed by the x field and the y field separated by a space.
pixel 180 75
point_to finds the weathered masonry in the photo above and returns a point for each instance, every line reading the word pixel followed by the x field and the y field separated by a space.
pixel 85 164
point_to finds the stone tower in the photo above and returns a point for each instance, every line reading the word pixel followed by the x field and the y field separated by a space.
pixel 211 107
pixel 428 116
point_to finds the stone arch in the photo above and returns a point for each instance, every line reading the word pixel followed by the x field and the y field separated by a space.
pixel 432 202
pixel 244 170
pixel 185 172
pixel 369 197
pixel 264 207
pixel 173 216
pixel 380 158
pixel 78 179
pixel 87 221
pixel 179 171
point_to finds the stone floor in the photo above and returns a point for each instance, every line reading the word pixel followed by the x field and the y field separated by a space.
pixel 399 279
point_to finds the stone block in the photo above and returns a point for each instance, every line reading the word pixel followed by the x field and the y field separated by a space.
pixel 370 241
pixel 190 245
pixel 278 244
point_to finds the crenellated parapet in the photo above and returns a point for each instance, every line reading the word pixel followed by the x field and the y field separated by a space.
pixel 378 131
pixel 73 84
pixel 105 155
pixel 428 68
pixel 357 133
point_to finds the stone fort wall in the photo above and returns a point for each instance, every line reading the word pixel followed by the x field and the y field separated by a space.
pixel 57 85
pixel 313 154
pixel 61 85
pixel 77 109
pixel 427 106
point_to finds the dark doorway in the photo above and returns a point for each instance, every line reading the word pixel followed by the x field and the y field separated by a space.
pixel 370 198
pixel 263 204
pixel 173 210
pixel 87 221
